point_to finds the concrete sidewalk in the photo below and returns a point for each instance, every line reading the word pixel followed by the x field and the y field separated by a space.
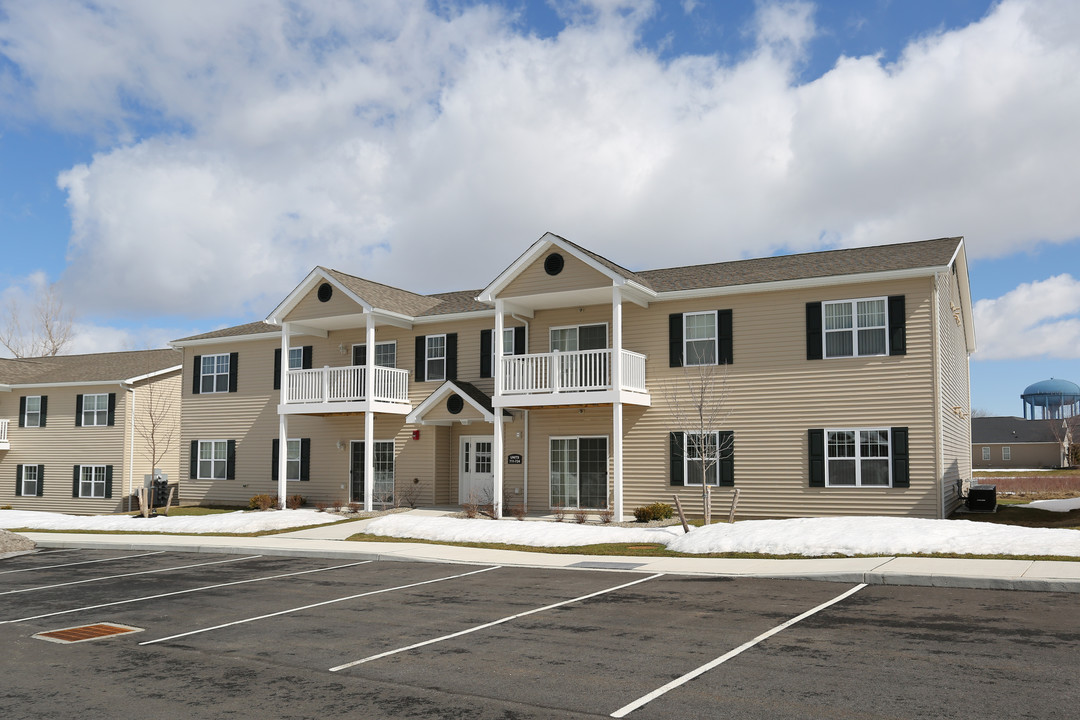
pixel 329 542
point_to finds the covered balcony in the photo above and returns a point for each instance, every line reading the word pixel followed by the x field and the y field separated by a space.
pixel 572 377
pixel 342 389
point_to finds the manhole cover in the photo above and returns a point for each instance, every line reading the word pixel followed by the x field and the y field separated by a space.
pixel 82 633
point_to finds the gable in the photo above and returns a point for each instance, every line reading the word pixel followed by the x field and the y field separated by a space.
pixel 311 307
pixel 534 279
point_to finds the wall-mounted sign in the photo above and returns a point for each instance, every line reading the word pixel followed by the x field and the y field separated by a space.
pixel 513 459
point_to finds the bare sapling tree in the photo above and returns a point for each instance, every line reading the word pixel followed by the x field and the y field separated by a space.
pixel 156 420
pixel 696 401
pixel 42 331
pixel 1064 431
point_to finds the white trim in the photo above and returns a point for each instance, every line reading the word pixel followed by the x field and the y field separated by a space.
pixel 37 479
pixel 306 285
pixel 607 473
pixel 715 338
pixel 93 482
pixel 428 358
pixel 215 374
pixel 352 355
pixel 212 460
pixel 858 458
pixel 226 339
pixel 853 331
pixel 450 386
pixel 715 460
pixel 156 373
pixel 83 411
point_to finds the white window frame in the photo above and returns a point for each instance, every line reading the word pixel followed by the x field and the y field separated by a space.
pixel 986 454
pixel 379 468
pixel 577 335
pixel 213 460
pixel 95 472
pixel 296 358
pixel 508 337
pixel 859 458
pixel 687 356
pixel 90 416
pixel 37 412
pixel 1006 453
pixel 687 460
pixel 429 358
pixel 577 469
pixel 23 480
pixel 388 343
pixel 853 331
pixel 217 375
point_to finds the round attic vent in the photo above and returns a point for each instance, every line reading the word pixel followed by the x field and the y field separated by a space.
pixel 454 404
pixel 326 291
pixel 553 264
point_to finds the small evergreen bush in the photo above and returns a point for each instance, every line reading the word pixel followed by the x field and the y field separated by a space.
pixel 656 511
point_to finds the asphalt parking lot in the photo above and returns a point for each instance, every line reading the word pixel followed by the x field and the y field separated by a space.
pixel 255 636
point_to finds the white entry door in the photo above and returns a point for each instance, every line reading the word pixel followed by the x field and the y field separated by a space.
pixel 476 476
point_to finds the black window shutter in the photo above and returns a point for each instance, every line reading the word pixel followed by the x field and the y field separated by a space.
pixel 451 356
pixel 44 410
pixel 485 353
pixel 78 411
pixel 675 450
pixel 726 469
pixel 359 354
pixel 817 458
pixel 277 368
pixel 75 482
pixel 519 340
pixel 18 480
pixel 897 326
pixel 22 413
pixel 108 481
pixel 725 339
pixel 421 357
pixel 901 478
pixel 193 460
pixel 813 331
pixel 230 460
pixel 675 340
pixel 305 459
pixel 41 481
pixel 276 448
pixel 308 357
pixel 196 376
pixel 112 409
pixel 234 363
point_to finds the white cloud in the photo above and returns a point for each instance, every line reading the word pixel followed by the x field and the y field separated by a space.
pixel 1038 319
pixel 427 150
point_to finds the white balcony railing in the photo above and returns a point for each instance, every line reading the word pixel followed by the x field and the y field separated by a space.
pixel 574 371
pixel 346 384
pixel 3 435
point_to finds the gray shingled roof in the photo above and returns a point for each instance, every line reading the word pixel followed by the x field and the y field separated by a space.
pixel 255 328
pixel 1005 430
pixel 99 367
pixel 384 297
pixel 617 269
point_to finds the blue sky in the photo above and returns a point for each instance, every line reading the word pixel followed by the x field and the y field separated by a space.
pixel 177 167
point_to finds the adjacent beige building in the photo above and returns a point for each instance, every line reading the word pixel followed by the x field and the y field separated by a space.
pixel 835 383
pixel 78 432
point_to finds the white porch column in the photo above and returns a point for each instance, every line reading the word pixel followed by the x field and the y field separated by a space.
pixel 283 420
pixel 497 460
pixel 369 416
pixel 617 406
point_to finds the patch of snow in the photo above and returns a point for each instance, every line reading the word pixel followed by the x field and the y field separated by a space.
pixel 512 532
pixel 1064 505
pixel 233 522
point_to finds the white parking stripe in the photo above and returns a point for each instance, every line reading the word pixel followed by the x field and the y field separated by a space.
pixel 492 624
pixel 627 709
pixel 144 572
pixel 183 592
pixel 318 604
pixel 84 562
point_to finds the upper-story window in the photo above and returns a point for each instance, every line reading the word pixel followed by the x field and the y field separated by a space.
pixel 435 364
pixel 579 337
pixel 95 409
pixel 385 354
pixel 856 327
pixel 296 358
pixel 33 411
pixel 436 357
pixel 700 338
pixel 215 373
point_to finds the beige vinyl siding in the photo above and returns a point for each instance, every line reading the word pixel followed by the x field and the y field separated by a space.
pixel 955 392
pixel 1023 455
pixel 548 423
pixel 158 418
pixel 311 307
pixel 575 275
pixel 59 446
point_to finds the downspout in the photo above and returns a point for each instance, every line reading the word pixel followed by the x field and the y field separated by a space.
pixel 131 449
pixel 939 441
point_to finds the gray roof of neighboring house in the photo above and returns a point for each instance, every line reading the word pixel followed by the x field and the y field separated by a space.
pixel 828 263
pixel 1005 430
pixel 99 367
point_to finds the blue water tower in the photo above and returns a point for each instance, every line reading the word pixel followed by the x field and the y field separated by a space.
pixel 1051 398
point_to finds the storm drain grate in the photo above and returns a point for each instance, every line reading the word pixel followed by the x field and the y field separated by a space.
pixel 82 633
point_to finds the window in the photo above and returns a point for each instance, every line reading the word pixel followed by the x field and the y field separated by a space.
pixel 702 458
pixel 435 359
pixel 858 458
pixel 292 460
pixel 95 410
pixel 296 358
pixel 579 472
pixel 856 327
pixel 383 488
pixel 28 480
pixel 385 355
pixel 33 411
pixel 583 337
pixel 699 337
pixel 1006 453
pixel 986 454
pixel 215 373
pixel 213 459
pixel 92 481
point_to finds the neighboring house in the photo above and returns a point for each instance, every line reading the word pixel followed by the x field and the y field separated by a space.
pixel 844 376
pixel 75 430
pixel 1012 442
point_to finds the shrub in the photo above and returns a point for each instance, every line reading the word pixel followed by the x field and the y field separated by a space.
pixel 355 507
pixel 518 511
pixel 656 511
pixel 293 502
pixel 606 515
pixel 559 512
pixel 321 506
pixel 262 502
pixel 580 516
